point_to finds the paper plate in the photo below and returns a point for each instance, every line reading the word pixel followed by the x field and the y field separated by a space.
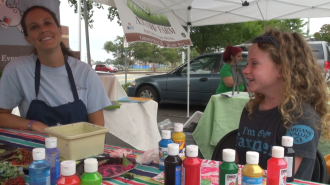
pixel 109 167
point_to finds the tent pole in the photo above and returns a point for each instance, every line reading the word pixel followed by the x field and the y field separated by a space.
pixel 188 74
pixel 87 34
pixel 79 27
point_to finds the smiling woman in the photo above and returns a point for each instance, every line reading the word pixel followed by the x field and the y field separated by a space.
pixel 44 84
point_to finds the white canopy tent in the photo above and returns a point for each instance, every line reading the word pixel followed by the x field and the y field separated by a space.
pixel 213 12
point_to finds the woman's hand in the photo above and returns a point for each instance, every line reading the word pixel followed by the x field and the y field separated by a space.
pixel 38 126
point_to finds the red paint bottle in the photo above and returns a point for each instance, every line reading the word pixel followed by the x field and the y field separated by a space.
pixel 276 167
pixel 191 166
pixel 68 174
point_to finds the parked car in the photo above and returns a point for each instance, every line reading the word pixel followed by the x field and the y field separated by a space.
pixel 172 87
pixel 106 68
pixel 321 51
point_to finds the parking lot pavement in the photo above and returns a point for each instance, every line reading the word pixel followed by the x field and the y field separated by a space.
pixel 176 112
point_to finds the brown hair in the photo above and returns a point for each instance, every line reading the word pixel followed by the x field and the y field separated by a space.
pixel 303 79
pixel 65 50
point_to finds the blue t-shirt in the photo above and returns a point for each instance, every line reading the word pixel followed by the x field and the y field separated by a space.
pixel 17 85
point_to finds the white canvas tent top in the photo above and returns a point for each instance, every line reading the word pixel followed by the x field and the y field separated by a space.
pixel 213 12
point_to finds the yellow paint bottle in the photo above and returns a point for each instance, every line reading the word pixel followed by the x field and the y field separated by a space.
pixel 179 137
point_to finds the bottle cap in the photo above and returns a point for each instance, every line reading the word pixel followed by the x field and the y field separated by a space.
pixel 38 154
pixel 68 168
pixel 90 165
pixel 173 149
pixel 277 152
pixel 166 134
pixel 192 151
pixel 51 142
pixel 228 155
pixel 252 157
pixel 178 127
pixel 287 141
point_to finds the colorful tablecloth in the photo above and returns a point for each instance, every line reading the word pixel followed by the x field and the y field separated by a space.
pixel 143 174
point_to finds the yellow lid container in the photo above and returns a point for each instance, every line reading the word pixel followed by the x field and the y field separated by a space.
pixel 78 140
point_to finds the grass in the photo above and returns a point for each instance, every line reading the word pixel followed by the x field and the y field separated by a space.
pixel 126 85
pixel 159 19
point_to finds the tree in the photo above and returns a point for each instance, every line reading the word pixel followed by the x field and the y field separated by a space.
pixel 324 33
pixel 90 11
pixel 117 48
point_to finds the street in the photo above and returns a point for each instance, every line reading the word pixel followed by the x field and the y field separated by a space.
pixel 130 77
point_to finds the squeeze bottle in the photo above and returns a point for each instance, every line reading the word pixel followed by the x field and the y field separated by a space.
pixel 252 173
pixel 53 158
pixel 179 137
pixel 39 169
pixel 228 169
pixel 289 157
pixel 91 175
pixel 276 167
pixel 68 174
pixel 166 139
pixel 173 165
pixel 191 172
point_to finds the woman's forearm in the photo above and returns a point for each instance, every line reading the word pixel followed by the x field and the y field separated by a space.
pixel 8 120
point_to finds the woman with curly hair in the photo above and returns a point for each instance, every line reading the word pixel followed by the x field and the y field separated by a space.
pixel 227 81
pixel 289 98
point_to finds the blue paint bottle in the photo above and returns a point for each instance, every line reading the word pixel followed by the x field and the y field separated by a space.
pixel 166 139
pixel 39 169
pixel 53 158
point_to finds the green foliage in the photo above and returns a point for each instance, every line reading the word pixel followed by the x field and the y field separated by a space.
pixel 7 171
pixel 126 85
pixel 159 19
pixel 90 11
pixel 324 33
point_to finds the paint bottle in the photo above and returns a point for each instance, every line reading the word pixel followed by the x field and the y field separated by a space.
pixel 53 158
pixel 39 169
pixel 91 176
pixel 173 165
pixel 166 139
pixel 252 173
pixel 228 169
pixel 191 172
pixel 68 174
pixel 179 137
pixel 276 167
pixel 289 156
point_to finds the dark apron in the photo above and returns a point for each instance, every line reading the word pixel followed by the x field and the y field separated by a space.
pixel 71 112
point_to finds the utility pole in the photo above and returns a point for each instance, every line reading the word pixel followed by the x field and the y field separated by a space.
pixel 125 46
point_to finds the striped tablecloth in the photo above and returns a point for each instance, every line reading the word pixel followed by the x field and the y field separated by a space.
pixel 142 173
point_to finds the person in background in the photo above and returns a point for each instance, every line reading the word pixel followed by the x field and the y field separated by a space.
pixel 49 87
pixel 227 81
pixel 289 99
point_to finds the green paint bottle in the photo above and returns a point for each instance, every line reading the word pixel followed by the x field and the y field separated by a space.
pixel 91 176
pixel 228 169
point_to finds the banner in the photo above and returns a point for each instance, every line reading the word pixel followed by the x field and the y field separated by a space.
pixel 12 42
pixel 161 29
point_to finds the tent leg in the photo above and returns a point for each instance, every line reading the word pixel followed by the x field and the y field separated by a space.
pixel 188 74
pixel 87 34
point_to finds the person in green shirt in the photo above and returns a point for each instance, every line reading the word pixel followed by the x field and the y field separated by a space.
pixel 227 81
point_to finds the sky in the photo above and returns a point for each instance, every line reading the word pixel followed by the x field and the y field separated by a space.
pixel 103 30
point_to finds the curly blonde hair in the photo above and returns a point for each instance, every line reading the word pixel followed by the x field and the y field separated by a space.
pixel 303 80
